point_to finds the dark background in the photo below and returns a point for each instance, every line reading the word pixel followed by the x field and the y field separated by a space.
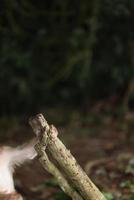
pixel 65 53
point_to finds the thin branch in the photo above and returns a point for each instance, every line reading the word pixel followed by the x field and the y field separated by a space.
pixel 48 136
pixel 52 169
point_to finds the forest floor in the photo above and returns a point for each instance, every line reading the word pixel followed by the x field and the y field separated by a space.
pixel 102 144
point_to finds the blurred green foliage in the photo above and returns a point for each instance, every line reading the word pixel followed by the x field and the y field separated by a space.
pixel 61 196
pixel 108 196
pixel 64 51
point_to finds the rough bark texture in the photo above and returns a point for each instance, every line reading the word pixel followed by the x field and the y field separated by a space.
pixel 48 137
pixel 52 169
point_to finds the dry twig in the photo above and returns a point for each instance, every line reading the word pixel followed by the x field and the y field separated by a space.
pixel 48 136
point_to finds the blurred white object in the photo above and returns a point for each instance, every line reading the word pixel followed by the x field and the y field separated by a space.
pixel 9 158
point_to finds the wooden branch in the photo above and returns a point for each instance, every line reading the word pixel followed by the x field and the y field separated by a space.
pixel 48 136
pixel 52 169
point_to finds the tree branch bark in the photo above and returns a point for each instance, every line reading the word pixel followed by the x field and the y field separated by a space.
pixel 48 137
pixel 52 169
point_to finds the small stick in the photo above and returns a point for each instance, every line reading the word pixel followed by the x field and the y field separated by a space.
pixel 52 169
pixel 48 136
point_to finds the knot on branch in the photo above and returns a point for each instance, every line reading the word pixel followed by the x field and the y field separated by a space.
pixel 42 130
pixel 39 125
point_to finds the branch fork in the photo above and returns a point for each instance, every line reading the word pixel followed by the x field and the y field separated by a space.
pixel 48 138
